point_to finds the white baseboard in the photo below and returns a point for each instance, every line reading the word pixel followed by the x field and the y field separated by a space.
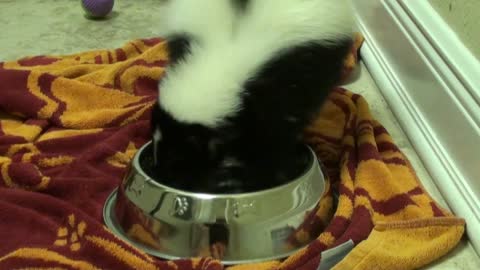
pixel 432 84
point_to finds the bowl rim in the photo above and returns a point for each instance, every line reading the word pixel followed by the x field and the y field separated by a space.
pixel 201 195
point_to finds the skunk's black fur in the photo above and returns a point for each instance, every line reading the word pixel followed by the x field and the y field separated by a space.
pixel 260 145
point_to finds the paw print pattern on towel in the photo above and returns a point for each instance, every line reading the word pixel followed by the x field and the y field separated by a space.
pixel 71 234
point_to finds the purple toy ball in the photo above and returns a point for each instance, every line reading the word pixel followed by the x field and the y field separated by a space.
pixel 97 8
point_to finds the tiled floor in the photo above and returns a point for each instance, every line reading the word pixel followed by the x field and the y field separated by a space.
pixel 32 27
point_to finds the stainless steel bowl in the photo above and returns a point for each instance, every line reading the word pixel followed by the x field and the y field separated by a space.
pixel 238 228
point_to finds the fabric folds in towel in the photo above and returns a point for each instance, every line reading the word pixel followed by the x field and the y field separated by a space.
pixel 71 124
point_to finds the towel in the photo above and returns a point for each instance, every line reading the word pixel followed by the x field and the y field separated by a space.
pixel 71 124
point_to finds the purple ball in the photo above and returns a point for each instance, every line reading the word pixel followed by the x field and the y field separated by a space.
pixel 97 8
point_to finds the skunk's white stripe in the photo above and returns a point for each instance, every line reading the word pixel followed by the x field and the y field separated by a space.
pixel 207 86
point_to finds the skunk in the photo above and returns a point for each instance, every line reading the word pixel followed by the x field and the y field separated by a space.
pixel 244 80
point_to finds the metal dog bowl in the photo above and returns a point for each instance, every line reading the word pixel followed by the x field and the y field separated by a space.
pixel 238 228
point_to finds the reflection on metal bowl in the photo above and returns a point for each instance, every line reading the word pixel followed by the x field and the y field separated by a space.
pixel 237 228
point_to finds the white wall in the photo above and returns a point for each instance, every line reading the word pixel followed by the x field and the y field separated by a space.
pixel 463 16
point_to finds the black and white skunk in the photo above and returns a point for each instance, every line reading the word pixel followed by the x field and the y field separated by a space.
pixel 246 77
